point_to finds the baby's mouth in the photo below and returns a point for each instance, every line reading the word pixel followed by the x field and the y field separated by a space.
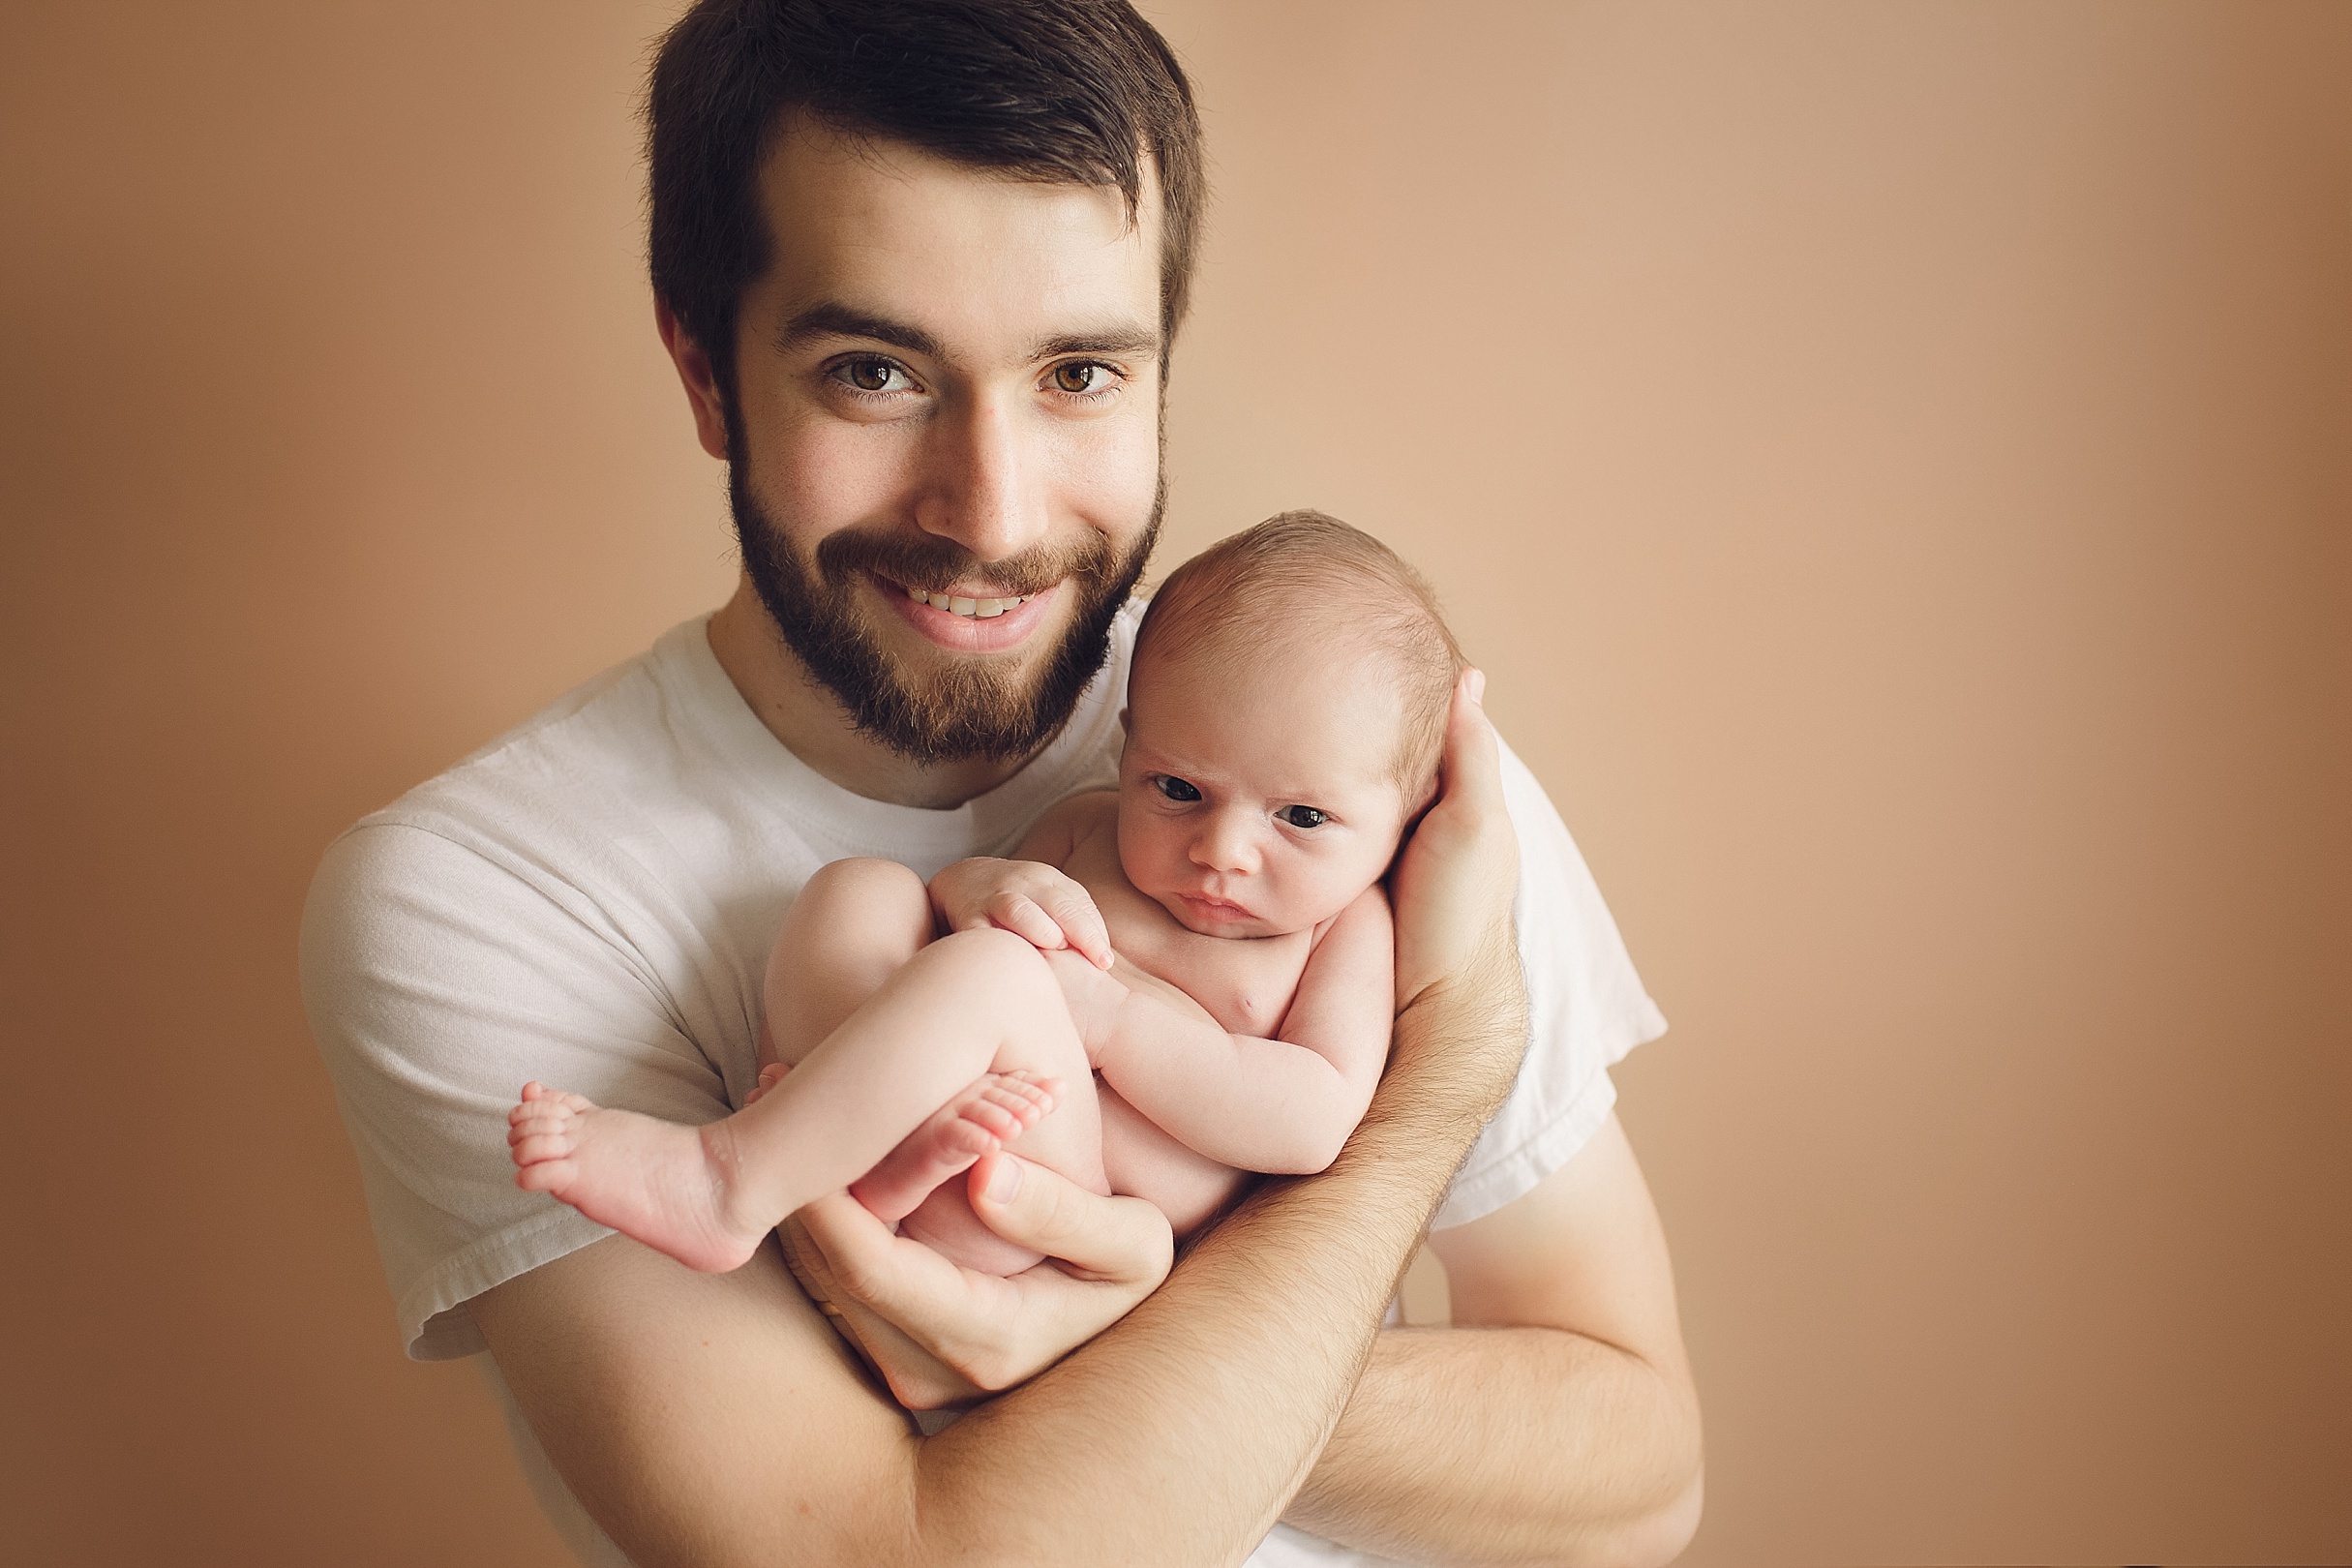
pixel 1215 908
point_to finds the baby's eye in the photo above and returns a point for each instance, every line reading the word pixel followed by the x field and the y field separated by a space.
pixel 1175 789
pixel 1303 816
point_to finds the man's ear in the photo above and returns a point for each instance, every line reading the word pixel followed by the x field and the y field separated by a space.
pixel 701 383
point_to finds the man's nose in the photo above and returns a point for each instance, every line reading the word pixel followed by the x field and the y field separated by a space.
pixel 984 487
pixel 1226 843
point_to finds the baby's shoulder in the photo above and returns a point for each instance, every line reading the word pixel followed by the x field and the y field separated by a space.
pixel 1073 830
pixel 1369 912
pixel 1090 816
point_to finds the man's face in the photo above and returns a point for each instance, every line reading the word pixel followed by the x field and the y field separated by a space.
pixel 945 448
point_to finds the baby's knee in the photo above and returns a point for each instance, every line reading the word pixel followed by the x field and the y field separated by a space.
pixel 990 961
pixel 861 883
pixel 863 902
pixel 1000 970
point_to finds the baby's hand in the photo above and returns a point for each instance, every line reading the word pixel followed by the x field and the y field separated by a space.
pixel 1027 899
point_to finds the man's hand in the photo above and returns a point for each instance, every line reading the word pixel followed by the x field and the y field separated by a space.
pixel 943 1336
pixel 1452 891
pixel 1026 897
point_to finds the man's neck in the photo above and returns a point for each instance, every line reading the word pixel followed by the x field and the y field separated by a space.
pixel 815 728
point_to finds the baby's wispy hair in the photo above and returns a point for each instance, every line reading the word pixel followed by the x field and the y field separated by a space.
pixel 1304 579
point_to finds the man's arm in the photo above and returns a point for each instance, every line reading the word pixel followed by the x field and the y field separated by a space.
pixel 713 1420
pixel 1555 1421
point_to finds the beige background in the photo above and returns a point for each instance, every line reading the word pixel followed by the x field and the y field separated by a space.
pixel 1896 463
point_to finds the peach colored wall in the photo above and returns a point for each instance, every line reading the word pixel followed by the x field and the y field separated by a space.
pixel 1896 463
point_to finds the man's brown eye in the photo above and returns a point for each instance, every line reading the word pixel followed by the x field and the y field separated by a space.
pixel 1078 378
pixel 869 375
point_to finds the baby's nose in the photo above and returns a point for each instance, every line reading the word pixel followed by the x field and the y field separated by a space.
pixel 1225 845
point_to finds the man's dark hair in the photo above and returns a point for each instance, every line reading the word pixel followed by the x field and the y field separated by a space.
pixel 1076 92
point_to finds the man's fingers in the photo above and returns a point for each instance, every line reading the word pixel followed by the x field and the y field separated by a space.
pixel 1119 1240
pixel 978 1329
pixel 1453 884
pixel 1471 764
pixel 914 1372
pixel 901 1278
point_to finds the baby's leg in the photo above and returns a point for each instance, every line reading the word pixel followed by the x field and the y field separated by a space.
pixel 1005 978
pixel 970 1005
pixel 854 925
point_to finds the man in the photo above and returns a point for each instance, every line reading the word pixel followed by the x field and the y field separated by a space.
pixel 918 267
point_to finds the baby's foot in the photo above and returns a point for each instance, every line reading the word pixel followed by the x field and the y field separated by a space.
pixel 990 1113
pixel 651 1180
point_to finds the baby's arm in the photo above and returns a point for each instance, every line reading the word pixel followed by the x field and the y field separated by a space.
pixel 1282 1105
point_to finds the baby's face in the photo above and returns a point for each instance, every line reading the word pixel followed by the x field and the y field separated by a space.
pixel 1257 804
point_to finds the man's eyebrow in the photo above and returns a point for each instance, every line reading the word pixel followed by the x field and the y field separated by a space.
pixel 836 320
pixel 1109 340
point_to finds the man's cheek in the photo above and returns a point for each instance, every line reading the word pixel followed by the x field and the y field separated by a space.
pixel 1110 473
pixel 830 479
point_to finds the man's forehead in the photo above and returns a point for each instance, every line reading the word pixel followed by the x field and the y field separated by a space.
pixel 886 231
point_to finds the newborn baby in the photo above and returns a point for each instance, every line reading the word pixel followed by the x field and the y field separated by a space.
pixel 1172 986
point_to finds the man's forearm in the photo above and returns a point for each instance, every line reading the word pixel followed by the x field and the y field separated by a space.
pixel 1508 1445
pixel 1180 1436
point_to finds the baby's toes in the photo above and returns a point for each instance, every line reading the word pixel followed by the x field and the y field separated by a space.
pixel 537 1148
pixel 544 1175
pixel 998 1119
pixel 1028 1099
pixel 1043 1088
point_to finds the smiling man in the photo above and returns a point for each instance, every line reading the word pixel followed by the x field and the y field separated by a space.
pixel 919 266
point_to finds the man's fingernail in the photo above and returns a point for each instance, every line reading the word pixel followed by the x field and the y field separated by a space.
pixel 1005 1181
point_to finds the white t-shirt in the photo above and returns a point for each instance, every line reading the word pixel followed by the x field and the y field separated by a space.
pixel 590 901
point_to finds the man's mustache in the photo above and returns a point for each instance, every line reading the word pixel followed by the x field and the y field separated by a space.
pixel 927 561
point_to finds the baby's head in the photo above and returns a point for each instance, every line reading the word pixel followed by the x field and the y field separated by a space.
pixel 1285 710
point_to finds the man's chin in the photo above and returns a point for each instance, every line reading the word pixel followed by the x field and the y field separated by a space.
pixel 933 702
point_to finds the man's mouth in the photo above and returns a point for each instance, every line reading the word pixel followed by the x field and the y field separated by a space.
pixel 955 604
pixel 977 622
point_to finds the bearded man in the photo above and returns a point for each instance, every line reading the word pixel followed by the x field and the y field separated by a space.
pixel 919 266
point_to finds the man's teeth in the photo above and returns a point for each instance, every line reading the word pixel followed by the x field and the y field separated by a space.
pixel 978 609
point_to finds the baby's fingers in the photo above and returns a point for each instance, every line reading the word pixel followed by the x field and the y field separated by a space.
pixel 1025 919
pixel 1074 911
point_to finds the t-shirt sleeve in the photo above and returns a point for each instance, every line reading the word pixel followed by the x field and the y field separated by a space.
pixel 1586 1011
pixel 438 977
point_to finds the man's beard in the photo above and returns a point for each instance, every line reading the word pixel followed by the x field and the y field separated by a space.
pixel 973 708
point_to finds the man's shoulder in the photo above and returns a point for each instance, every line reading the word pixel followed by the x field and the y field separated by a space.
pixel 613 743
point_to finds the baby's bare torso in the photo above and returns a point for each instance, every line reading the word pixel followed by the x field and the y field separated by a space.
pixel 1246 984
